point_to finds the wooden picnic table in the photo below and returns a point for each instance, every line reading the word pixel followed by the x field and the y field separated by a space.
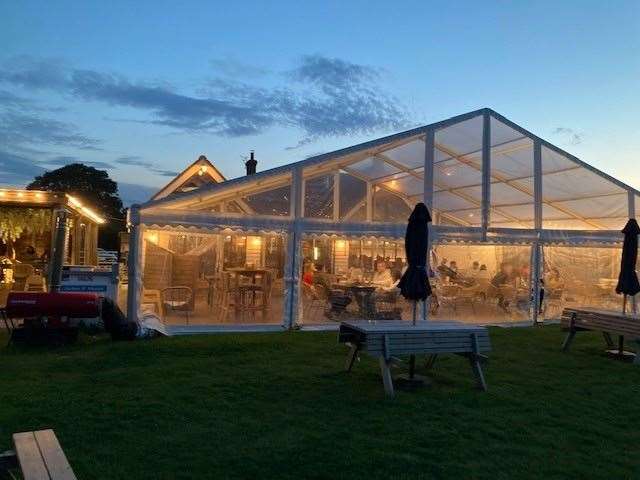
pixel 609 322
pixel 388 339
pixel 41 457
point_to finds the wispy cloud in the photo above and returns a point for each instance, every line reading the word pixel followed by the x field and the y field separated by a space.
pixel 62 160
pixel 232 67
pixel 26 127
pixel 569 134
pixel 321 96
pixel 17 169
pixel 137 161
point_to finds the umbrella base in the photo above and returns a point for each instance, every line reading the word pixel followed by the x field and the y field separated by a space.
pixel 623 355
pixel 410 383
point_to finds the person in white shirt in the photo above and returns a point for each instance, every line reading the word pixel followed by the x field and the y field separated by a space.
pixel 382 277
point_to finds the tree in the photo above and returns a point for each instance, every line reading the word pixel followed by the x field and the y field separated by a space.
pixel 93 187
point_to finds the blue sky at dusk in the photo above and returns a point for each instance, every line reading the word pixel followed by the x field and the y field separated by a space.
pixel 143 88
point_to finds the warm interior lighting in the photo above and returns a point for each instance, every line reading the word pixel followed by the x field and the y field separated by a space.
pixel 202 170
pixel 38 195
pixel 152 237
pixel 339 243
pixel 316 253
pixel 1 193
pixel 256 241
pixel 20 194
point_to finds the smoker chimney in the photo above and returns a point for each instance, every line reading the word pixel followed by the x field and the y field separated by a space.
pixel 251 164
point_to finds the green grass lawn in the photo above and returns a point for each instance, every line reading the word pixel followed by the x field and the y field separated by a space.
pixel 279 406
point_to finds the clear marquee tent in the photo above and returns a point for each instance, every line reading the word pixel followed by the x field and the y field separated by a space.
pixel 501 198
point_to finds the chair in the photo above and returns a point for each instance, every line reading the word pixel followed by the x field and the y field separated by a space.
pixel 448 297
pixel 228 294
pixel 312 302
pixel 154 298
pixel 387 306
pixel 178 299
pixel 21 271
pixel 35 283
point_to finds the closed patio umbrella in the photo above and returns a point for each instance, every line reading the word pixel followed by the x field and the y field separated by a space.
pixel 628 279
pixel 414 284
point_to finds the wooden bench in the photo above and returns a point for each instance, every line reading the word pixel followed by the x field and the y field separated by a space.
pixel 40 456
pixel 609 322
pixel 387 339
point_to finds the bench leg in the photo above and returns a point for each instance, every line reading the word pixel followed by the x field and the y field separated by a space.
pixel 477 371
pixel 636 360
pixel 351 357
pixel 431 360
pixel 568 339
pixel 387 381
pixel 608 340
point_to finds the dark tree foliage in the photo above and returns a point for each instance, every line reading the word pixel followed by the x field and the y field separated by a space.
pixel 93 187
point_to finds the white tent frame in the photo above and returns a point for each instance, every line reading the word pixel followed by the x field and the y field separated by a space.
pixel 180 210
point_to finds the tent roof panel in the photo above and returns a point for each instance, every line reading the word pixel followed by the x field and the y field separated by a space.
pixel 464 137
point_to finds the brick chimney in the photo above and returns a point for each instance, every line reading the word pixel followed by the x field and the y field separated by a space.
pixel 251 164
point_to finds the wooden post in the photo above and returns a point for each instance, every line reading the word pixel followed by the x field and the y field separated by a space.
pixel 59 249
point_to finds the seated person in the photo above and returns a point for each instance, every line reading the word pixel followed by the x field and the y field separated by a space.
pixel 483 273
pixel 554 280
pixel 503 277
pixel 307 274
pixel 475 269
pixel 29 255
pixel 382 277
pixel 446 271
pixel 355 273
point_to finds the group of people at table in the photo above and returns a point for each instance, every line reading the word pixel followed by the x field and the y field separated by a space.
pixel 509 285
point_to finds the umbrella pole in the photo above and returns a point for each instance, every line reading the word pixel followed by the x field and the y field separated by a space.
pixel 412 358
pixel 415 307
pixel 624 304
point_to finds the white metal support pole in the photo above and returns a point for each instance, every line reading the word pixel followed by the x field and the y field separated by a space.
pixel 135 265
pixel 294 254
pixel 632 214
pixel 537 220
pixel 336 196
pixel 369 205
pixel 486 172
pixel 429 158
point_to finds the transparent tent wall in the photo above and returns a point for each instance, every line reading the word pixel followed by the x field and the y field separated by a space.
pixel 213 278
pixel 485 284
pixel 351 278
pixel 580 277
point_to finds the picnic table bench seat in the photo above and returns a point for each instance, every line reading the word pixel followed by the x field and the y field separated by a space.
pixel 388 339
pixel 609 322
pixel 40 456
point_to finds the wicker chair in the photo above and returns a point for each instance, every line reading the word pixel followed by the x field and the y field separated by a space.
pixel 178 299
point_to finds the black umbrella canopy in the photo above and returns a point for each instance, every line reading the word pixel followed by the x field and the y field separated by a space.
pixel 414 284
pixel 628 279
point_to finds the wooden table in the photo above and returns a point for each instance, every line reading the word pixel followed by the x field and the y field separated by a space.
pixel 390 338
pixel 609 322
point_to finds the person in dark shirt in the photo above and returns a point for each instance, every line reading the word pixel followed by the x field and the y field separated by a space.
pixel 500 279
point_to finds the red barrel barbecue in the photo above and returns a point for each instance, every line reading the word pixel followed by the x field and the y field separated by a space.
pixel 58 304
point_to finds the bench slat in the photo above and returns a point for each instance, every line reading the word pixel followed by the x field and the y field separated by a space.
pixel 29 457
pixel 54 458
